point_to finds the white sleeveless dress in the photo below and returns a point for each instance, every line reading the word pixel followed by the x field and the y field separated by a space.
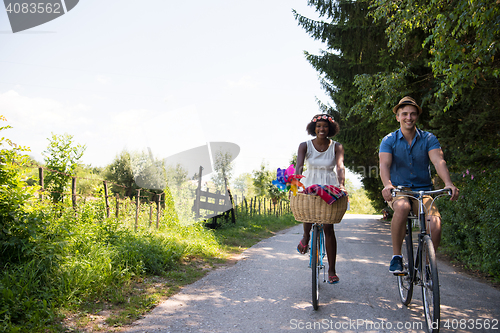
pixel 320 166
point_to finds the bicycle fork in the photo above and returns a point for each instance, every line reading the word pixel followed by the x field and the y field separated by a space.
pixel 322 254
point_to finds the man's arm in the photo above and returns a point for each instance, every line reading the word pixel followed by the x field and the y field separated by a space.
pixel 385 174
pixel 437 158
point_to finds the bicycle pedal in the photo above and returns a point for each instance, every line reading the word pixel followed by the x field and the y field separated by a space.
pixel 400 274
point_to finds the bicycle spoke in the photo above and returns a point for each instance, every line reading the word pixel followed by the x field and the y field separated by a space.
pixel 405 283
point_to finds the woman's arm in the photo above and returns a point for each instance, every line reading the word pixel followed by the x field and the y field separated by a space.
pixel 301 155
pixel 339 156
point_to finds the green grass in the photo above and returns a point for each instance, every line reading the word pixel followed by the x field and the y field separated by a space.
pixel 87 272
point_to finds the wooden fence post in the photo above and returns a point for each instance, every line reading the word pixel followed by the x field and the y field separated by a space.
pixel 73 192
pixel 117 206
pixel 40 177
pixel 150 213
pixel 138 201
pixel 106 198
pixel 158 210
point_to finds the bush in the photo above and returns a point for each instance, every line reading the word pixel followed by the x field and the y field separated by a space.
pixel 471 226
pixel 79 257
pixel 19 224
pixel 360 203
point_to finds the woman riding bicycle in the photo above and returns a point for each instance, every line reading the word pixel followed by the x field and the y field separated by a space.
pixel 404 161
pixel 325 166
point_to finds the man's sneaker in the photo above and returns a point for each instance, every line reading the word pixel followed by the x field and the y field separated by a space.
pixel 396 266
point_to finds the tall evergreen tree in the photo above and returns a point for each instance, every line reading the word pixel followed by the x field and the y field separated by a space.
pixel 355 45
pixel 459 85
pixel 442 53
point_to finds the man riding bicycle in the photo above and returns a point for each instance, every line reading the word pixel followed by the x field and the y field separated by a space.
pixel 404 161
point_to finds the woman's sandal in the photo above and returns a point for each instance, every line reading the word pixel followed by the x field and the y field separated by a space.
pixel 304 248
pixel 333 279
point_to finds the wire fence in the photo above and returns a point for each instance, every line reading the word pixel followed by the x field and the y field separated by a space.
pixel 145 204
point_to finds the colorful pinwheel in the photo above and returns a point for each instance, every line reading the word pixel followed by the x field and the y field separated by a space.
pixel 287 180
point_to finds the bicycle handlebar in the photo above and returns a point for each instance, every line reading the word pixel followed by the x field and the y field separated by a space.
pixel 400 189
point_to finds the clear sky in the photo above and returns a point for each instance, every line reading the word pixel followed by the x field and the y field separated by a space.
pixel 169 75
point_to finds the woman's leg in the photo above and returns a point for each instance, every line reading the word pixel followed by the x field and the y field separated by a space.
pixel 303 245
pixel 331 248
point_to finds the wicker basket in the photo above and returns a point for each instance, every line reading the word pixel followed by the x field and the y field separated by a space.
pixel 313 209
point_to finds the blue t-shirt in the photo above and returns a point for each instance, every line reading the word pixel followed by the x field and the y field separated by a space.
pixel 410 164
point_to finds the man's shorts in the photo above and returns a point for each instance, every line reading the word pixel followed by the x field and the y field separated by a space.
pixel 427 202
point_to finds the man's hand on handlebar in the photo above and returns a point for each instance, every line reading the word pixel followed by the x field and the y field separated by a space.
pixel 454 191
pixel 387 194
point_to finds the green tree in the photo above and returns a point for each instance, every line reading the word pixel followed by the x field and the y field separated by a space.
pixel 223 168
pixel 177 175
pixel 120 174
pixel 149 173
pixel 62 156
pixel 242 182
pixel 261 179
pixel 262 183
pixel 355 45
pixel 453 68
pixel 443 53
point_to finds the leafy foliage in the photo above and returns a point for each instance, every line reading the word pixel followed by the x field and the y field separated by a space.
pixel 461 37
pixel 62 156
pixel 120 172
pixel 85 257
pixel 18 223
pixel 262 179
pixel 471 233
pixel 443 53
pixel 222 169
pixel 450 66
pixel 356 45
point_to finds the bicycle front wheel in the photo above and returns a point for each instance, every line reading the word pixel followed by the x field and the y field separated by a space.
pixel 405 282
pixel 430 285
pixel 315 266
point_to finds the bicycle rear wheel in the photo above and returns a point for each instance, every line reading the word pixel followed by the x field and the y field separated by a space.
pixel 405 282
pixel 315 266
pixel 430 285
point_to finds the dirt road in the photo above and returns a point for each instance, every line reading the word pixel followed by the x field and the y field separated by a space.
pixel 269 290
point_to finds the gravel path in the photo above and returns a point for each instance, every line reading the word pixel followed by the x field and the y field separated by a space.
pixel 269 290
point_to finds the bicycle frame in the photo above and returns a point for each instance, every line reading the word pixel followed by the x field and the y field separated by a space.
pixel 423 271
pixel 322 249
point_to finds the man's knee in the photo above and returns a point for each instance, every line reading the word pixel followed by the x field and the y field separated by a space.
pixel 401 206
